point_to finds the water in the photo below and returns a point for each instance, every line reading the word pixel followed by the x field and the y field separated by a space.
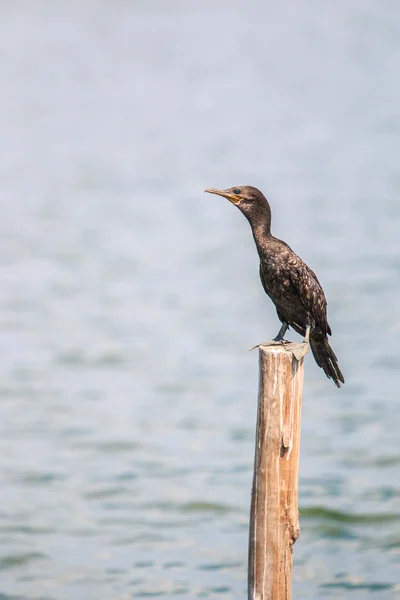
pixel 129 298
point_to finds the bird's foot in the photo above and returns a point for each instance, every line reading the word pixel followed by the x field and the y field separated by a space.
pixel 300 351
pixel 274 342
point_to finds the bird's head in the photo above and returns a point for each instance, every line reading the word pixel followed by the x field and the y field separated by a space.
pixel 249 200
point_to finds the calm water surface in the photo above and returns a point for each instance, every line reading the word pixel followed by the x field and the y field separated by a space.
pixel 129 298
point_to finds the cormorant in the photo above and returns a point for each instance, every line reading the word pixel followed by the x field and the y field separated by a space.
pixel 292 286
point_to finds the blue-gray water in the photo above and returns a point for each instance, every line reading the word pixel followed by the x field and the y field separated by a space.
pixel 129 298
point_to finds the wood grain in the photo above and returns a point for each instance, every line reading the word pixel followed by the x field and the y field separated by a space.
pixel 274 525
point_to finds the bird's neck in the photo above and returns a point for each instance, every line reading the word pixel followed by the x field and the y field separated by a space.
pixel 261 229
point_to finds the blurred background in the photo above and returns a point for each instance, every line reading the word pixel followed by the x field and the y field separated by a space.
pixel 129 298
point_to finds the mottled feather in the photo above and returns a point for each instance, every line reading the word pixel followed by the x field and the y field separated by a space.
pixel 310 292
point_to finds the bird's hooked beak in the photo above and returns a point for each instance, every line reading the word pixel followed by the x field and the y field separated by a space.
pixel 234 198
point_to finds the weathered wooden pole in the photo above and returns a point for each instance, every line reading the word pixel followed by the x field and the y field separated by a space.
pixel 274 524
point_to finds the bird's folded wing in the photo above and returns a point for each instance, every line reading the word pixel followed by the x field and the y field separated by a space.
pixel 310 292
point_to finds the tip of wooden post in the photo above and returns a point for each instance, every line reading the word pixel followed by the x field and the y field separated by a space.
pixel 297 350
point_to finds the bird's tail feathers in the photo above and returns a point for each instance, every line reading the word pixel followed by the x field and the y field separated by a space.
pixel 326 358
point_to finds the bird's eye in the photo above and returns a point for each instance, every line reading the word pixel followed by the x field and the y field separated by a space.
pixel 237 191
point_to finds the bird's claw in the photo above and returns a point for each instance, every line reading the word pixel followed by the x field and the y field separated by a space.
pixel 254 347
pixel 274 342
pixel 300 351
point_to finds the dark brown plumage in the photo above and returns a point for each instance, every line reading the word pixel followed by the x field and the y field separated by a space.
pixel 292 286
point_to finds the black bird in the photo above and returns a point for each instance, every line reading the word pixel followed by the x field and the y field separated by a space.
pixel 292 286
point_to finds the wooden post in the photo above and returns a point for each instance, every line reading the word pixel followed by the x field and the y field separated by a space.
pixel 274 524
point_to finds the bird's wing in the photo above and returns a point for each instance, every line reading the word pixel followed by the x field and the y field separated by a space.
pixel 310 291
pixel 263 281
